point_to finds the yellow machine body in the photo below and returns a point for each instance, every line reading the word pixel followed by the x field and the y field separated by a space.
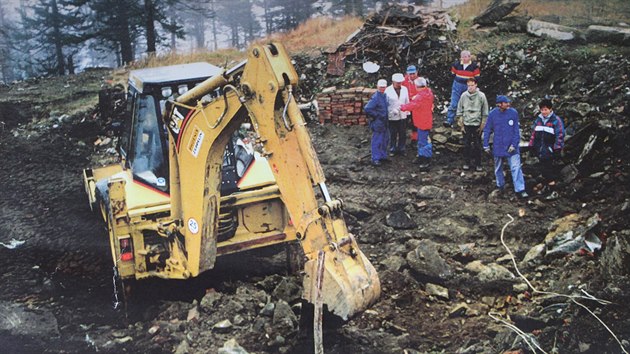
pixel 173 222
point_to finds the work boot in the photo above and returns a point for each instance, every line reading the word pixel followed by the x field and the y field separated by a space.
pixel 478 169
pixel 466 167
pixel 376 163
pixel 522 195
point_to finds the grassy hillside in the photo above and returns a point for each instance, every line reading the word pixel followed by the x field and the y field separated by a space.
pixel 578 13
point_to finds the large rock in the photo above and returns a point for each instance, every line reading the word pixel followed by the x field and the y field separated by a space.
pixel 357 210
pixel 436 290
pixel 616 257
pixel 546 29
pixel 495 272
pixel 288 290
pixel 534 253
pixel 497 10
pixel 426 262
pixel 394 263
pixel 513 24
pixel 19 320
pixel 232 347
pixel 606 34
pixel 209 300
pixel 400 220
pixel 433 192
pixel 491 272
pixel 284 320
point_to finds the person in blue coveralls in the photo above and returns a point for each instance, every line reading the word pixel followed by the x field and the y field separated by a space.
pixel 376 110
pixel 503 123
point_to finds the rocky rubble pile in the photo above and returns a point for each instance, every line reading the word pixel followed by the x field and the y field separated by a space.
pixel 394 38
pixel 594 103
pixel 259 316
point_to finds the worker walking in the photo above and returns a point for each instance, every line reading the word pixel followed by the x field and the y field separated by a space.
pixel 421 106
pixel 397 95
pixel 472 112
pixel 376 110
pixel 462 70
pixel 503 123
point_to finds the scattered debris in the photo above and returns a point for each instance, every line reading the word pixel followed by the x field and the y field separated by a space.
pixel 572 234
pixel 13 244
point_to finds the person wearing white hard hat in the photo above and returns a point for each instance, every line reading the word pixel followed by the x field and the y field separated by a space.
pixel 376 110
pixel 397 95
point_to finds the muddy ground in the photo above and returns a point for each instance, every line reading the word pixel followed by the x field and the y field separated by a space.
pixel 434 237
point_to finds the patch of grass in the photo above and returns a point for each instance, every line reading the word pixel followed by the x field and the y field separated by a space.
pixel 576 13
pixel 311 37
pixel 318 34
pixel 222 57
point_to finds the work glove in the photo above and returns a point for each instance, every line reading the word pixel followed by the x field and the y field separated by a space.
pixel 511 149
pixel 486 150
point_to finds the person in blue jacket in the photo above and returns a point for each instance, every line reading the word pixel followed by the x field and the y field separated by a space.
pixel 376 110
pixel 503 123
pixel 547 141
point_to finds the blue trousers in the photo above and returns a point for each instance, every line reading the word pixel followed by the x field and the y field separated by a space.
pixel 515 169
pixel 425 149
pixel 456 93
pixel 380 141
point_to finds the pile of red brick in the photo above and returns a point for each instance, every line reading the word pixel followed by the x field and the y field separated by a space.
pixel 344 106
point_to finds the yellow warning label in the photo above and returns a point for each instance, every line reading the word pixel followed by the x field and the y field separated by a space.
pixel 196 140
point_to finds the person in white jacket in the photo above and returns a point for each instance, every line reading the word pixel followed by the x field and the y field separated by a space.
pixel 397 95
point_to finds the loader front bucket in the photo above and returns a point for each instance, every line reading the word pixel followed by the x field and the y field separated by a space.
pixel 345 281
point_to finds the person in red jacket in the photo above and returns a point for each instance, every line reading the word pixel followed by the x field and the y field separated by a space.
pixel 410 77
pixel 421 106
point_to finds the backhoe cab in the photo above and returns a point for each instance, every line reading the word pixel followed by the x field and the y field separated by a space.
pixel 216 162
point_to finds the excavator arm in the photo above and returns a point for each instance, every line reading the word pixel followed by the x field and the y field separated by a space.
pixel 337 273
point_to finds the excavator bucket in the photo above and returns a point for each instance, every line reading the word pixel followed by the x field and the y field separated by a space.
pixel 344 280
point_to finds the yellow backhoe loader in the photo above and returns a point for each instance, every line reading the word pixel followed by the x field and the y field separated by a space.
pixel 230 167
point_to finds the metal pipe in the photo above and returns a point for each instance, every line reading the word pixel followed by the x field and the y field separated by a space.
pixel 210 84
pixel 324 189
pixel 202 89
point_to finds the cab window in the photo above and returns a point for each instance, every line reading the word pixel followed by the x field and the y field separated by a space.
pixel 148 162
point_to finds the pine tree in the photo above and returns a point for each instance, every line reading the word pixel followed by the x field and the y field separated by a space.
pixel 284 15
pixel 5 48
pixel 237 15
pixel 117 25
pixel 54 29
pixel 155 13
